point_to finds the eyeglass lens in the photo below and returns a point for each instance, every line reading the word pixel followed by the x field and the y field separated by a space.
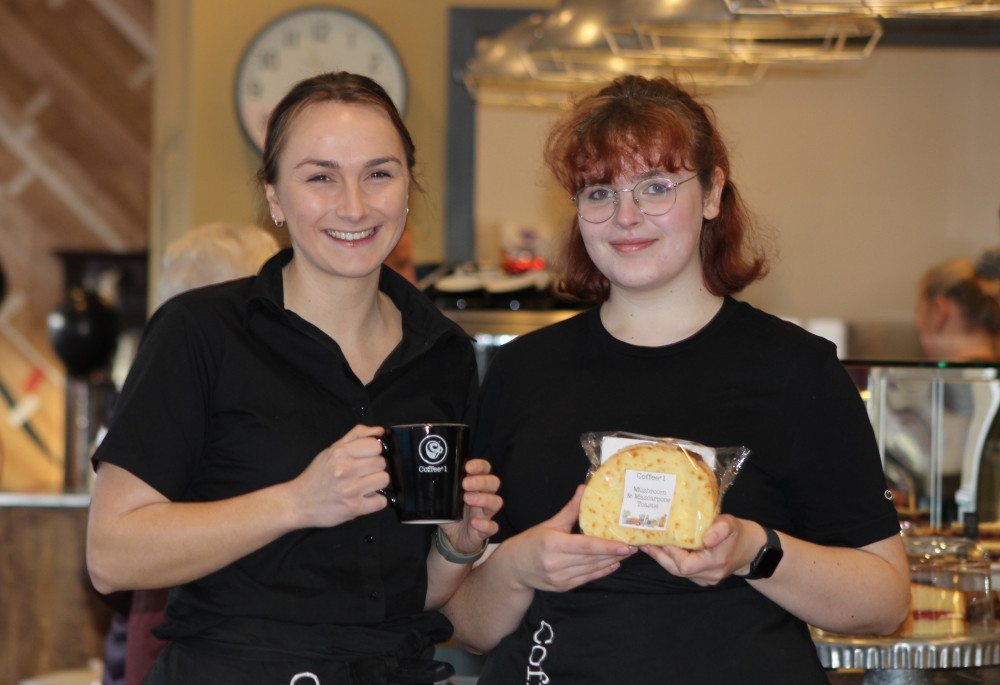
pixel 653 197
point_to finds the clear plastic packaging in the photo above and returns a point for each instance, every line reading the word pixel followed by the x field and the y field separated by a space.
pixel 657 491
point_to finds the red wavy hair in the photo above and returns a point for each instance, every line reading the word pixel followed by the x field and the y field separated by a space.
pixel 653 122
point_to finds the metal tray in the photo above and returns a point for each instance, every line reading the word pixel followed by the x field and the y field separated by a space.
pixel 884 653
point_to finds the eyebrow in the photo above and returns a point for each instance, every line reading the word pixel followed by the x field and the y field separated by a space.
pixel 653 173
pixel 331 164
pixel 644 176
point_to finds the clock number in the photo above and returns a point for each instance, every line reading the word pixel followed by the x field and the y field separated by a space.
pixel 320 31
pixel 291 39
pixel 374 62
pixel 352 40
pixel 270 59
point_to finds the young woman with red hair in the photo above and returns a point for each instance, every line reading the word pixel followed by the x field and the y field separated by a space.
pixel 660 244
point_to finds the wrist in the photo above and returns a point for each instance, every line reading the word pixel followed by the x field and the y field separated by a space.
pixel 767 558
pixel 288 512
pixel 755 537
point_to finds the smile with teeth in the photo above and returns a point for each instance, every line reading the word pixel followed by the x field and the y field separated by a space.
pixel 343 235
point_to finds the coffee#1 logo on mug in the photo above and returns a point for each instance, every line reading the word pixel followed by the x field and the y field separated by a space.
pixel 425 463
pixel 433 450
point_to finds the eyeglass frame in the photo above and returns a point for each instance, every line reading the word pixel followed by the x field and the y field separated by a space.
pixel 615 191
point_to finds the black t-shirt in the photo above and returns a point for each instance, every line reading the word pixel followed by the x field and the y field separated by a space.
pixel 229 393
pixel 746 379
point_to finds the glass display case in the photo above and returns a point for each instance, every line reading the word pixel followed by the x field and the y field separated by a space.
pixel 935 428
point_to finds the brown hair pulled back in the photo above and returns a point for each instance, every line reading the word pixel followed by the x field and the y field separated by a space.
pixel 340 86
pixel 973 286
pixel 641 123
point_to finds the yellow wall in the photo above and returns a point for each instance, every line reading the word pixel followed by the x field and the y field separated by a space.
pixel 866 175
pixel 206 167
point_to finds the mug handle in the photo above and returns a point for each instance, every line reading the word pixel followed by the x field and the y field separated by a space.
pixel 387 492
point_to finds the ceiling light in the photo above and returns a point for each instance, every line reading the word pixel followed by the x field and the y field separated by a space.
pixel 547 58
pixel 507 70
pixel 687 28
pixel 874 8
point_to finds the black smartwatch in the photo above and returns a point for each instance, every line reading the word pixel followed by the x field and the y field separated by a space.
pixel 767 558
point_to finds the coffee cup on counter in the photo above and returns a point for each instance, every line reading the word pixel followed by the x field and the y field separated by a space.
pixel 426 463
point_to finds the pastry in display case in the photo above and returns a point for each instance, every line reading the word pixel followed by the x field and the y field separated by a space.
pixel 951 626
pixel 950 588
pixel 951 591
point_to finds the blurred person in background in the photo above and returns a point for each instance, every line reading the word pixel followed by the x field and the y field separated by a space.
pixel 213 253
pixel 958 310
pixel 958 320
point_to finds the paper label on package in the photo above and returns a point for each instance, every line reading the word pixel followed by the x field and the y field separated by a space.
pixel 610 446
pixel 647 499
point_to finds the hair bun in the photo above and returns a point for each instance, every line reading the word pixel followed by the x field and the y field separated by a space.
pixel 988 265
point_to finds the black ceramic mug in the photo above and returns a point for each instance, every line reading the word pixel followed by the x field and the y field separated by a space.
pixel 426 463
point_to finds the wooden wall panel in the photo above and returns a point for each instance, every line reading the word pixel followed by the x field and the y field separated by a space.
pixel 76 82
pixel 50 617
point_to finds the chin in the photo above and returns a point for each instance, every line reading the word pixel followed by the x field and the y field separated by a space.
pixel 638 282
pixel 352 268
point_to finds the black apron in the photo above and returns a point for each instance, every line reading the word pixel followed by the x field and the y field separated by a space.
pixel 351 655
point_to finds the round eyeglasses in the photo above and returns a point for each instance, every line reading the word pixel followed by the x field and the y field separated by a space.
pixel 654 197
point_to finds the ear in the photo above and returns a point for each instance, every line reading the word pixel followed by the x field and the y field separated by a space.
pixel 943 313
pixel 273 205
pixel 713 198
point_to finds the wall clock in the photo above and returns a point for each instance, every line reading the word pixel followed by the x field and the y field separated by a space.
pixel 303 43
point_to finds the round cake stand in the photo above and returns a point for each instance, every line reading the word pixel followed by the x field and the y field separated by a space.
pixel 905 661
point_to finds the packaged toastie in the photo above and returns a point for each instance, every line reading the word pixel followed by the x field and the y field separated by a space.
pixel 654 491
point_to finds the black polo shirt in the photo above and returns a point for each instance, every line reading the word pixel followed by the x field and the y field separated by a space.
pixel 230 392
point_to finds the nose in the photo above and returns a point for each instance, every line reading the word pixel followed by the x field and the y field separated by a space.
pixel 628 212
pixel 352 202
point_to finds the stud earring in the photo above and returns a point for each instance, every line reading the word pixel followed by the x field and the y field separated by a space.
pixel 407 210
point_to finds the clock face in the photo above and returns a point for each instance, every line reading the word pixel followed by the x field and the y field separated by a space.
pixel 304 43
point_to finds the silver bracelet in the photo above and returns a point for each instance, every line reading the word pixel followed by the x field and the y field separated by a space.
pixel 445 549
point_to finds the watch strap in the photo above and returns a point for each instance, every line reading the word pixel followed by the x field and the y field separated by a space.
pixel 445 549
pixel 767 558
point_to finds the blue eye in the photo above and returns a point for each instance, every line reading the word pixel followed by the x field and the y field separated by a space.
pixel 598 194
pixel 657 188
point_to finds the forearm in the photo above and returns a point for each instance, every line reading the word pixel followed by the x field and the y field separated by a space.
pixel 166 543
pixel 443 579
pixel 840 589
pixel 490 603
pixel 137 538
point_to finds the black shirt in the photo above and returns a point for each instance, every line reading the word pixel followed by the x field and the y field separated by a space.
pixel 746 379
pixel 229 393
